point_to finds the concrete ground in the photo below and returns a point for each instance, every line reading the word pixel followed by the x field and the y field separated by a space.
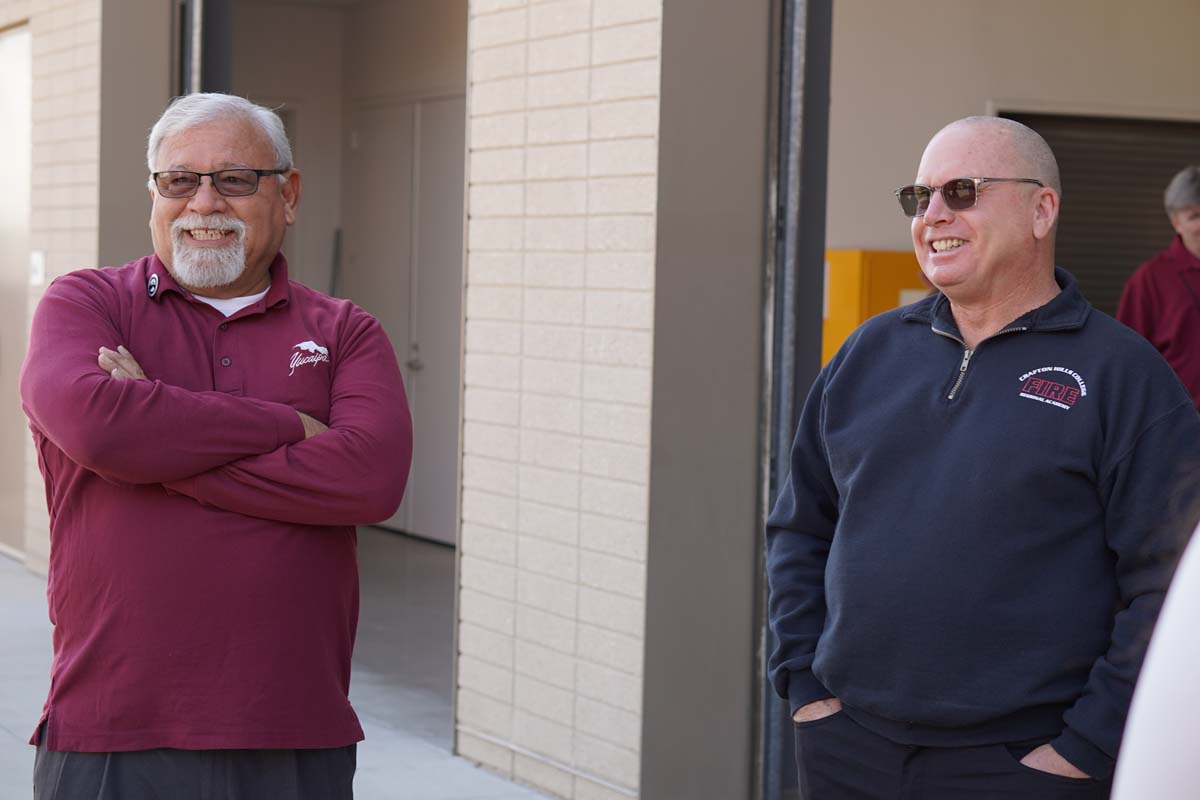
pixel 400 684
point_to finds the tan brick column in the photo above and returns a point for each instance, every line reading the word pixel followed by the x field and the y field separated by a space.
pixel 563 122
pixel 64 207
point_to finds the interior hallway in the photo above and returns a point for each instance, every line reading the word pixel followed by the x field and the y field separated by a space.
pixel 400 685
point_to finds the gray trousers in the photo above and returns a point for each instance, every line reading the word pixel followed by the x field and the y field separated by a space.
pixel 195 775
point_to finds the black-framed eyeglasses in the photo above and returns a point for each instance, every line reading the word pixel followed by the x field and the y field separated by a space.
pixel 239 182
pixel 959 193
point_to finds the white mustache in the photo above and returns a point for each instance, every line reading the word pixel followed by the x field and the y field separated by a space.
pixel 213 222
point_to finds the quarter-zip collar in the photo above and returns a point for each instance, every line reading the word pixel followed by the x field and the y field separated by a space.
pixel 1068 310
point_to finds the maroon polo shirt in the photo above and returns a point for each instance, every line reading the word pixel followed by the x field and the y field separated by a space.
pixel 203 580
pixel 1161 301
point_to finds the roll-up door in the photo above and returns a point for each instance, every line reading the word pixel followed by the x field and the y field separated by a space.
pixel 1114 172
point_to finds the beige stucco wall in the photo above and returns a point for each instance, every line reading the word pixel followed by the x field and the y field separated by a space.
pixel 563 121
pixel 332 60
pixel 135 84
pixel 404 49
pixel 900 74
pixel 300 72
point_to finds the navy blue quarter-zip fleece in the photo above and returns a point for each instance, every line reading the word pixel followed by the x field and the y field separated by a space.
pixel 972 546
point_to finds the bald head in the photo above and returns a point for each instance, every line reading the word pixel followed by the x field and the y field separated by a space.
pixel 1022 146
pixel 997 251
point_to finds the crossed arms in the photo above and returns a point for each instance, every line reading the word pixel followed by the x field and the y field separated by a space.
pixel 241 454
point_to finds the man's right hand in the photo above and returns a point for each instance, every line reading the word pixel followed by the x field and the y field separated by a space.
pixel 120 364
pixel 818 709
pixel 312 426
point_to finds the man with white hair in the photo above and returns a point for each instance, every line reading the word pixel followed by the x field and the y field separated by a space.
pixel 974 539
pixel 210 433
pixel 1161 300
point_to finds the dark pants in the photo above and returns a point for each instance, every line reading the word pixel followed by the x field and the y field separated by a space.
pixel 838 759
pixel 195 775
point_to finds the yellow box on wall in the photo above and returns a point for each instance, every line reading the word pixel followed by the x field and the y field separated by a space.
pixel 862 283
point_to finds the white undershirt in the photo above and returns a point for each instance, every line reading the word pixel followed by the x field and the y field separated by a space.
pixel 231 305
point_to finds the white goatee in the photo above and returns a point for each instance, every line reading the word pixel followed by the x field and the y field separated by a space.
pixel 207 267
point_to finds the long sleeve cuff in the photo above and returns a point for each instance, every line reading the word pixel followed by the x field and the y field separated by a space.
pixel 1083 754
pixel 804 688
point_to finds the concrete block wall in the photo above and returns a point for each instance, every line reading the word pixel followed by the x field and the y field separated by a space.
pixel 64 207
pixel 563 150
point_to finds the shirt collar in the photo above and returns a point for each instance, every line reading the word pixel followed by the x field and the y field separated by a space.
pixel 158 281
pixel 1180 255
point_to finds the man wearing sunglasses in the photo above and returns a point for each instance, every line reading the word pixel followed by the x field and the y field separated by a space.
pixel 983 509
pixel 209 433
pixel 1161 300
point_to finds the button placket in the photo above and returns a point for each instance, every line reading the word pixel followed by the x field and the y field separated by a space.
pixel 224 351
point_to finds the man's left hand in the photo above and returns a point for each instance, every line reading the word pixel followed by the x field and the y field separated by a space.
pixel 120 364
pixel 1047 759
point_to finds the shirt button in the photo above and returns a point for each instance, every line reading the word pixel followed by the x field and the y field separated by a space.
pixel 225 362
pixel 224 326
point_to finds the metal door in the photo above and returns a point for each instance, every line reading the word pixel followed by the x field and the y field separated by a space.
pixel 403 222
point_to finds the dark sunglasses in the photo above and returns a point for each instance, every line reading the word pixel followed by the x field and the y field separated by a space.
pixel 959 194
pixel 228 182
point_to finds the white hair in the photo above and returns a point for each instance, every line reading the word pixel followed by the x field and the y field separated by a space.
pixel 203 108
pixel 1183 191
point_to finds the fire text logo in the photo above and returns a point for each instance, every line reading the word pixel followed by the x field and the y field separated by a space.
pixel 1037 385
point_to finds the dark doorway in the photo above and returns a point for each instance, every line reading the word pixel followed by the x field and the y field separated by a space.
pixel 1114 172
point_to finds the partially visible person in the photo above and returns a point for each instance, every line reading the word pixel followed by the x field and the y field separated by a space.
pixel 1158 755
pixel 1161 301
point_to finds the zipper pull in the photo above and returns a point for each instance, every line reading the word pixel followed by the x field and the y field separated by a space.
pixel 962 373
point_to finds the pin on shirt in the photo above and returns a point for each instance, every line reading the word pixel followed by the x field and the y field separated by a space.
pixel 152 285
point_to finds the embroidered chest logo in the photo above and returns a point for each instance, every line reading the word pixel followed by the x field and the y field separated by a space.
pixel 1057 386
pixel 308 352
